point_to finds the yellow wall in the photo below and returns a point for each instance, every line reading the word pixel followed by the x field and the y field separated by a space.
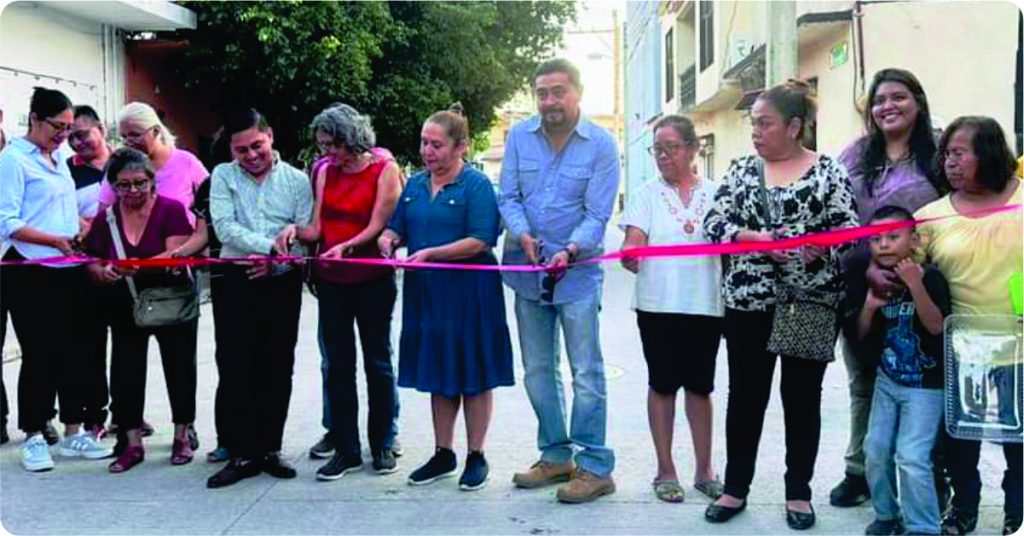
pixel 838 120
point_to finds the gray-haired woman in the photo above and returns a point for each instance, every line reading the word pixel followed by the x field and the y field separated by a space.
pixel 355 196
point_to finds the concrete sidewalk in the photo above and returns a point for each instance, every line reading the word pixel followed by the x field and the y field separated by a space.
pixel 80 497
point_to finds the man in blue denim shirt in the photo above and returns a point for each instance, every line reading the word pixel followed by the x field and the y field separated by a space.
pixel 558 184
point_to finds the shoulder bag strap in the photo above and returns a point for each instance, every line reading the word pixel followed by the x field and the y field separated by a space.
pixel 119 248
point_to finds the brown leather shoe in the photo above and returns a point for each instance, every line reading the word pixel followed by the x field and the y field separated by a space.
pixel 544 473
pixel 585 487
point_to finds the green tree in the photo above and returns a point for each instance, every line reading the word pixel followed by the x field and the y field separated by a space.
pixel 396 61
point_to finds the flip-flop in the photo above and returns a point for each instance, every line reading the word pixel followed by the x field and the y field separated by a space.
pixel 712 488
pixel 669 491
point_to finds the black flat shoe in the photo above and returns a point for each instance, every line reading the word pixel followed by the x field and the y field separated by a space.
pixel 716 513
pixel 800 520
pixel 276 467
pixel 237 469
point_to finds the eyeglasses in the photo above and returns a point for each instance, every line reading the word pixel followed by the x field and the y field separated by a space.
pixel 136 135
pixel 124 186
pixel 667 150
pixel 59 127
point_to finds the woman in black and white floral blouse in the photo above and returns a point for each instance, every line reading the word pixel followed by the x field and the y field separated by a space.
pixel 806 192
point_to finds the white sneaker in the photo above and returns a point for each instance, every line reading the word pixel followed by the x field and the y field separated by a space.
pixel 84 445
pixel 35 454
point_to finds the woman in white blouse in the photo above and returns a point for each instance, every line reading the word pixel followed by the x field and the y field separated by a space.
pixel 676 299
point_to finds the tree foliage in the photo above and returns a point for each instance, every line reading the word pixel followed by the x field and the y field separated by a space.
pixel 396 61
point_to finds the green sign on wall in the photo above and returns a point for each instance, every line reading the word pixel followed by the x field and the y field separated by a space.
pixel 839 55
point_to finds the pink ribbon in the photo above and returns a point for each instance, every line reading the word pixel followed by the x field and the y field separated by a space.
pixel 823 239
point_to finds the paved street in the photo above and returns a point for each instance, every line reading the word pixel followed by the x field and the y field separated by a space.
pixel 80 497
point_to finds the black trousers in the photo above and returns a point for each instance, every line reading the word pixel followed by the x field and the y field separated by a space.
pixel 369 305
pixel 43 303
pixel 258 336
pixel 220 316
pixel 961 459
pixel 128 363
pixel 91 323
pixel 751 368
pixel 4 303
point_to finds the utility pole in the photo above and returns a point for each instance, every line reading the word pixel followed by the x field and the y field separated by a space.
pixel 782 42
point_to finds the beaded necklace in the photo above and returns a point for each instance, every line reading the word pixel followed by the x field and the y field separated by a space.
pixel 690 222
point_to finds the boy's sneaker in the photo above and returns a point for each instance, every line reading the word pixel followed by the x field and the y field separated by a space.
pixel 474 475
pixel 323 449
pixel 85 445
pixel 885 527
pixel 338 466
pixel 959 522
pixel 384 462
pixel 853 490
pixel 35 454
pixel 1011 523
pixel 442 465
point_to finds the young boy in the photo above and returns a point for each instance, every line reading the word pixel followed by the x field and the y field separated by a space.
pixel 905 329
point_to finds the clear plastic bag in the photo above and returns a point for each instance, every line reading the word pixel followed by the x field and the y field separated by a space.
pixel 984 377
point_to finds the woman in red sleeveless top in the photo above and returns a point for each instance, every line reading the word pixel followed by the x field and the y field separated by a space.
pixel 355 196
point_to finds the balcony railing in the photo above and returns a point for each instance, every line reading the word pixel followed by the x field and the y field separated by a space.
pixel 688 89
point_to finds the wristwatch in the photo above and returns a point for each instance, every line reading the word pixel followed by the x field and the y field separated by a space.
pixel 569 252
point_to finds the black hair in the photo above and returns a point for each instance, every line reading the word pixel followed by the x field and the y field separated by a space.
pixel 793 99
pixel 996 162
pixel 922 139
pixel 86 111
pixel 48 102
pixel 243 119
pixel 891 212
pixel 558 65
pixel 127 158
pixel 682 126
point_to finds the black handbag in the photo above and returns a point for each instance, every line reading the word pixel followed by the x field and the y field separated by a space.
pixel 805 322
pixel 159 306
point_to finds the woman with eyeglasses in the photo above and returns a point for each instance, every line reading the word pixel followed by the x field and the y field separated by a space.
pixel 39 219
pixel 455 343
pixel 783 191
pixel 149 226
pixel 178 172
pixel 676 300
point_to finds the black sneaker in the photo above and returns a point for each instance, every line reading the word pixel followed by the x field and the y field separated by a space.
pixel 853 490
pixel 474 475
pixel 339 465
pixel 323 449
pixel 1011 523
pixel 959 522
pixel 50 434
pixel 885 527
pixel 384 463
pixel 442 465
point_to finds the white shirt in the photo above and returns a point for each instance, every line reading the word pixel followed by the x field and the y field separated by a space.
pixel 684 285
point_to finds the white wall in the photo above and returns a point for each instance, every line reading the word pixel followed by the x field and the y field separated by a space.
pixel 40 40
pixel 839 123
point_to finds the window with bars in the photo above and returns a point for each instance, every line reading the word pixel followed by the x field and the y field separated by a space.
pixel 670 65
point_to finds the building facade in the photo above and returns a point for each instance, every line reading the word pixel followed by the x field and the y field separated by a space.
pixel 710 57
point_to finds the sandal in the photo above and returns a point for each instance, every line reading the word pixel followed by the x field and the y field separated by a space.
pixel 669 491
pixel 131 457
pixel 181 452
pixel 712 488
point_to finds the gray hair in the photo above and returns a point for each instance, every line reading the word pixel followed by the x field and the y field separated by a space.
pixel 145 116
pixel 347 127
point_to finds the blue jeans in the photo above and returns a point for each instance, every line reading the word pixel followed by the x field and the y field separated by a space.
pixel 902 431
pixel 539 340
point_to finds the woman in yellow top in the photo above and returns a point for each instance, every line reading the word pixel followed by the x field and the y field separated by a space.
pixel 978 255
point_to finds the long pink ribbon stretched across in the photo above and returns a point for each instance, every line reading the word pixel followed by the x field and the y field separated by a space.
pixel 825 239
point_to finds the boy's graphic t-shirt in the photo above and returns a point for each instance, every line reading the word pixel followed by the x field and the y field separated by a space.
pixel 911 356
